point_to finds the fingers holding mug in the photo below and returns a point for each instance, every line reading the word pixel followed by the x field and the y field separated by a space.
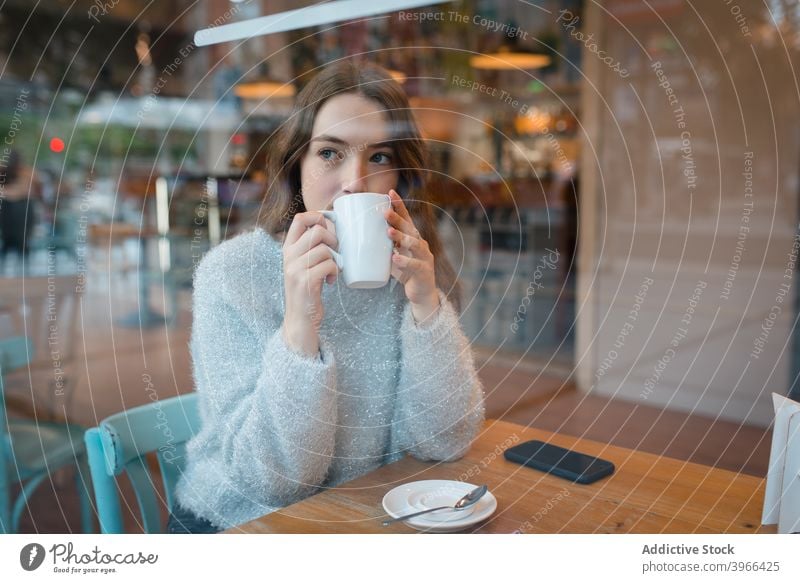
pixel 412 245
pixel 306 232
pixel 399 206
pixel 316 235
pixel 397 216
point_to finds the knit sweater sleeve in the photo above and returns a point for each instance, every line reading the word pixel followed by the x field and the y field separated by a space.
pixel 268 414
pixel 440 406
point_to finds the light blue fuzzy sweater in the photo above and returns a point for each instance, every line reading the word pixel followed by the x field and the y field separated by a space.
pixel 276 426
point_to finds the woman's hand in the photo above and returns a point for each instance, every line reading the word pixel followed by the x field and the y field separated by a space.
pixel 307 262
pixel 412 262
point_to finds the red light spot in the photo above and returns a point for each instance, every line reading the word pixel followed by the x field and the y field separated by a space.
pixel 238 139
pixel 57 145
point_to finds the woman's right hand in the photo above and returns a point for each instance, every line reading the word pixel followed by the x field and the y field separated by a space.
pixel 307 263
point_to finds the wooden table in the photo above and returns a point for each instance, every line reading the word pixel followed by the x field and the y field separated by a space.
pixel 646 494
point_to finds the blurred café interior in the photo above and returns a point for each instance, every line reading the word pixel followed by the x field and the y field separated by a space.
pixel 616 185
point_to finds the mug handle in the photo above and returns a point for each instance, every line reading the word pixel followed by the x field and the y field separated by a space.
pixel 337 257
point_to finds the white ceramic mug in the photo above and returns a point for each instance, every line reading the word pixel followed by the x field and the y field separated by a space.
pixel 365 249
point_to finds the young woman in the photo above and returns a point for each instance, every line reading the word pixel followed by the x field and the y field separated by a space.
pixel 303 382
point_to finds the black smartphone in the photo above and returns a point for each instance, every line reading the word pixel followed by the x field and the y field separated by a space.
pixel 564 463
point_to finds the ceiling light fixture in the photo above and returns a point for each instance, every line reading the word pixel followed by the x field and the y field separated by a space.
pixel 316 15
pixel 265 89
pixel 505 59
pixel 398 76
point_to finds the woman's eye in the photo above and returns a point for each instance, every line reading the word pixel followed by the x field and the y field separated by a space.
pixel 329 154
pixel 382 158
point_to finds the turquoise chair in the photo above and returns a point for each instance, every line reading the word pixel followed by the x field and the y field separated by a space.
pixel 120 444
pixel 30 451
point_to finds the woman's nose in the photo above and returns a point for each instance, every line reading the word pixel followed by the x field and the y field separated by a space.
pixel 355 177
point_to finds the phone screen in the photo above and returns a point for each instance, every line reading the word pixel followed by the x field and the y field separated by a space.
pixel 561 462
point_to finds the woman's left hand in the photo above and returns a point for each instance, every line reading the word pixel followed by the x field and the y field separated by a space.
pixel 412 261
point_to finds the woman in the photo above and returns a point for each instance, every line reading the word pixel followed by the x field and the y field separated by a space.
pixel 303 382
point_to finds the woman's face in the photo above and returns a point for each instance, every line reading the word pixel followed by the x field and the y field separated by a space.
pixel 350 151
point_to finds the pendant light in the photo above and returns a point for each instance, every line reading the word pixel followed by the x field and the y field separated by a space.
pixel 507 58
pixel 263 86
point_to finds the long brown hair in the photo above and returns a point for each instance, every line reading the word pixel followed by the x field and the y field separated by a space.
pixel 284 196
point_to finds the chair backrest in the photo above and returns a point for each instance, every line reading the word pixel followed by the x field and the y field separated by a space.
pixel 120 444
pixel 15 353
pixel 45 309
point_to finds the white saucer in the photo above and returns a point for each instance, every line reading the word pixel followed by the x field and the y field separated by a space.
pixel 416 496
